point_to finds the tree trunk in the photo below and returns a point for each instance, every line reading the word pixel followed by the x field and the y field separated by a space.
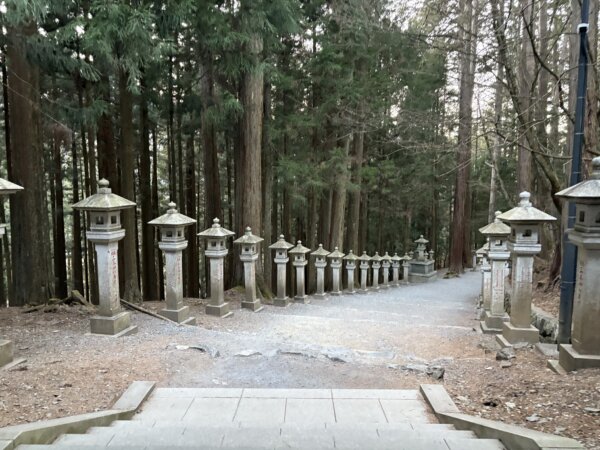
pixel 28 219
pixel 497 146
pixel 191 254
pixel 107 155
pixel 338 207
pixel 148 267
pixel 461 190
pixel 355 194
pixel 525 82
pixel 267 182
pixel 155 211
pixel 5 256
pixel 61 136
pixel 131 281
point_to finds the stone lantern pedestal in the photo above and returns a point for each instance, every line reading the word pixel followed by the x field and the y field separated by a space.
pixel 299 262
pixel 171 226
pixel 364 272
pixel 395 269
pixel 216 251
pixel 422 269
pixel 497 234
pixel 486 280
pixel 336 271
pixel 249 244
pixel 524 244
pixel 320 255
pixel 281 248
pixel 406 268
pixel 351 259
pixel 6 346
pixel 386 262
pixel 376 265
pixel 584 350
pixel 105 232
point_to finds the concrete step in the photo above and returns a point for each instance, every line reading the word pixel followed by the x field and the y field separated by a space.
pixel 145 425
pixel 267 437
pixel 450 444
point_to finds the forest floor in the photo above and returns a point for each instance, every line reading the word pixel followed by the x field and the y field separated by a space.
pixel 389 339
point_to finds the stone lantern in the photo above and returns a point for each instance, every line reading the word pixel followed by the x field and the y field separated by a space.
pixel 386 262
pixel 351 259
pixel 421 267
pixel 299 262
pixel 320 255
pixel 376 265
pixel 486 277
pixel 524 244
pixel 497 234
pixel 584 350
pixel 281 248
pixel 405 267
pixel 216 251
pixel 104 209
pixel 6 346
pixel 364 271
pixel 171 226
pixel 336 271
pixel 395 269
pixel 250 250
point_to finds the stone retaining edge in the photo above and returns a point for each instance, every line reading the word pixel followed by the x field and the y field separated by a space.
pixel 513 437
pixel 45 432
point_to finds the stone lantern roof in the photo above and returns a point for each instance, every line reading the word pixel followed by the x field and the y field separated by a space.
pixel 525 212
pixel 8 187
pixel 386 257
pixel 376 258
pixel 336 254
pixel 281 244
pixel 405 257
pixel 103 200
pixel 395 257
pixel 421 240
pixel 351 256
pixel 496 228
pixel 216 231
pixel 365 257
pixel 483 250
pixel 299 249
pixel 320 251
pixel 172 218
pixel 248 238
pixel 587 191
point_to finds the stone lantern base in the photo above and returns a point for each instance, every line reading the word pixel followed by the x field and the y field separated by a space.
pixel 512 335
pixel 301 299
pixel 570 359
pixel 6 352
pixel 221 310
pixel 117 325
pixel 181 315
pixel 281 302
pixel 254 306
pixel 422 272
pixel 492 324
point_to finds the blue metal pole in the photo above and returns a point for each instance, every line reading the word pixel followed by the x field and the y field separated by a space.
pixel 569 263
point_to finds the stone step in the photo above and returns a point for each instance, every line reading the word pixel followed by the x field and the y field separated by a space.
pixel 145 425
pixel 265 437
pixel 450 444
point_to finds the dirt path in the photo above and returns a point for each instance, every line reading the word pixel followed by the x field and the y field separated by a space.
pixel 386 339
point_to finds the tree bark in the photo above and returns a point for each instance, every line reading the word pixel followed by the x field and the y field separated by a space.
pixel 127 153
pixel 355 194
pixel 461 190
pixel 28 220
pixel 148 267
pixel 525 82
pixel 267 182
pixel 191 254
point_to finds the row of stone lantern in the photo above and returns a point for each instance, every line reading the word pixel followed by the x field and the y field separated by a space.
pixel 105 231
pixel 6 346
pixel 520 241
pixel 514 234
